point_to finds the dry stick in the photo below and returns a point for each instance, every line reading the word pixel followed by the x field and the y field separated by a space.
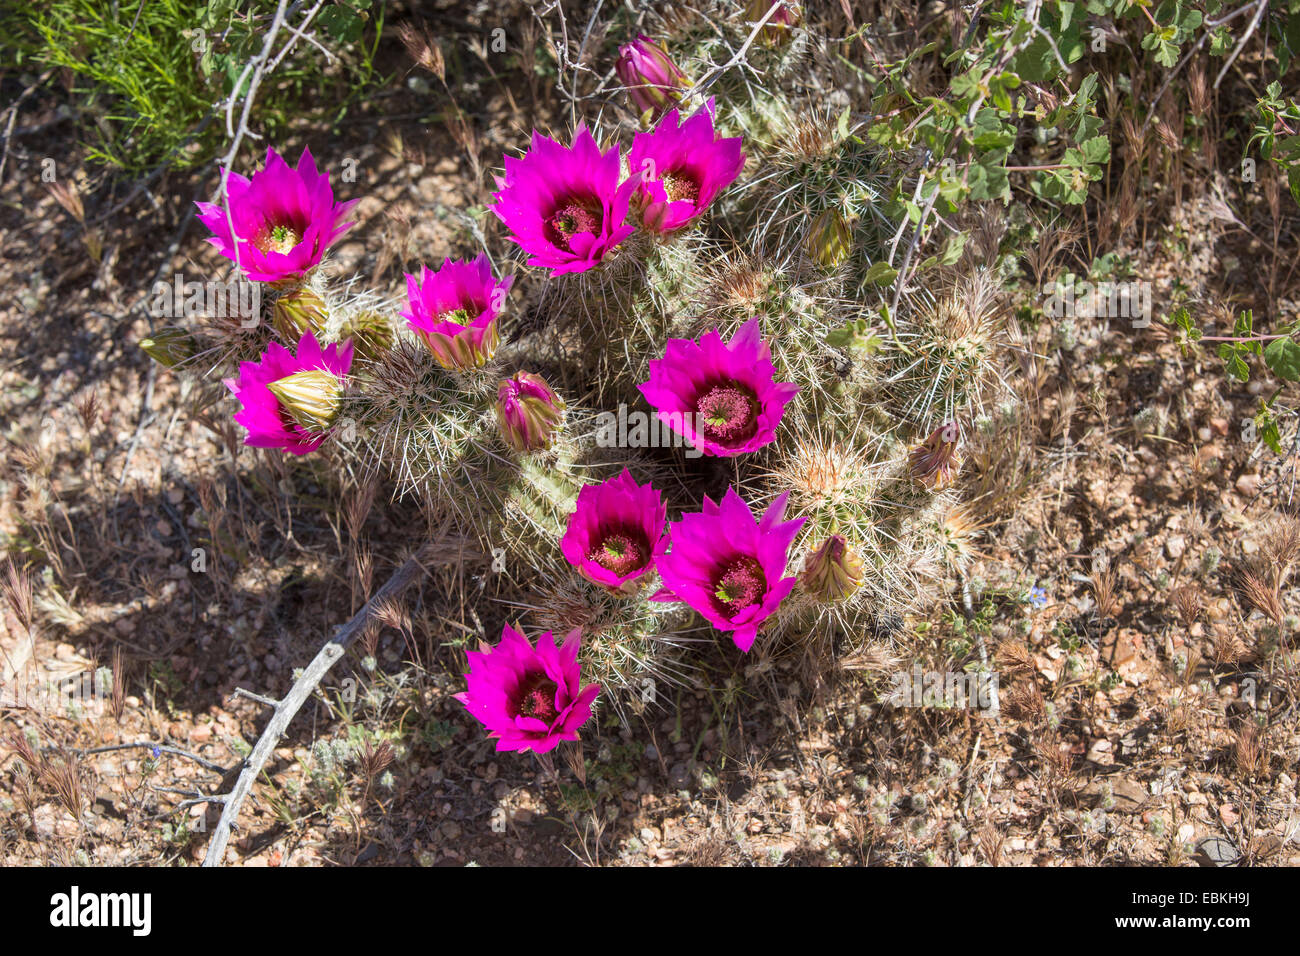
pixel 257 66
pixel 1260 7
pixel 711 77
pixel 161 748
pixel 289 705
pixel 1205 35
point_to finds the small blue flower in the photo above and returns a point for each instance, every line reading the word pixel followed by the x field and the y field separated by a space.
pixel 1038 596
pixel 155 751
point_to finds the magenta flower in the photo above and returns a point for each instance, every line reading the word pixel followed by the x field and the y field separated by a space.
pixel 527 698
pixel 722 398
pixel 289 400
pixel 284 219
pixel 683 167
pixel 652 79
pixel 564 205
pixel 728 565
pixel 614 531
pixel 455 309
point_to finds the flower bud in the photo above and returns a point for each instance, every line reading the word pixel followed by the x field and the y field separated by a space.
pixel 528 411
pixel 780 24
pixel 833 571
pixel 370 333
pixel 653 80
pixel 830 240
pixel 297 312
pixel 934 463
pixel 312 397
pixel 169 347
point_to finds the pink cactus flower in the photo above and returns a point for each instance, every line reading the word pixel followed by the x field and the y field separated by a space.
pixel 614 531
pixel 528 698
pixel 728 565
pixel 455 309
pixel 723 399
pixel 289 400
pixel 653 80
pixel 564 205
pixel 683 166
pixel 284 219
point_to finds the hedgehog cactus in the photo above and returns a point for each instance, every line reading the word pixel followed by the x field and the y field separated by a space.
pixel 715 266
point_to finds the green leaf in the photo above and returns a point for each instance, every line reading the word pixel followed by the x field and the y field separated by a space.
pixel 1233 363
pixel 855 335
pixel 881 273
pixel 1266 428
pixel 1096 150
pixel 1183 319
pixel 1282 356
pixel 341 22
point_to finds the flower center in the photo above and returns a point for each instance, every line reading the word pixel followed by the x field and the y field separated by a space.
pixel 680 188
pixel 728 413
pixel 537 698
pixel 458 316
pixel 621 553
pixel 280 238
pixel 572 218
pixel 741 585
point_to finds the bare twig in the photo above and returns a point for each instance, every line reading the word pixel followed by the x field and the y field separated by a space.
pixel 161 748
pixel 303 687
pixel 268 701
pixel 711 77
pixel 1260 7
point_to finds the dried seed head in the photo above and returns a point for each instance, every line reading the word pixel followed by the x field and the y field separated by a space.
pixel 87 408
pixel 423 49
pixel 17 585
pixel 1105 592
pixel 1198 90
pixel 1228 648
pixel 375 760
pixel 1281 546
pixel 1187 599
pixel 1261 596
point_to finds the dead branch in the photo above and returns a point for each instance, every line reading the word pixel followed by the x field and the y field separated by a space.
pixel 288 706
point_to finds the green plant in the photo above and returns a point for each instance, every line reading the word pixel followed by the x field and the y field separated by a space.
pixel 149 81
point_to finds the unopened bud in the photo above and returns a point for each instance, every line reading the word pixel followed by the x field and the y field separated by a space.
pixel 169 347
pixel 780 24
pixel 297 312
pixel 312 397
pixel 830 240
pixel 653 80
pixel 370 333
pixel 935 462
pixel 528 411
pixel 832 572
